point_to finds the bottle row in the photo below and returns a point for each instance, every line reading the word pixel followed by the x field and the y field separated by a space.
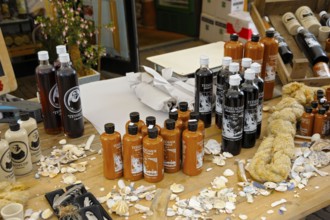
pixel 20 148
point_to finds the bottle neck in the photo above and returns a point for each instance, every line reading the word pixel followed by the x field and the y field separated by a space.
pixel 204 66
pixel 234 87
pixel 65 64
pixel 248 81
pixel 44 62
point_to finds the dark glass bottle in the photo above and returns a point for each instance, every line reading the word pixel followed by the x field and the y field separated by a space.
pixel 48 94
pixel 233 116
pixel 254 49
pixel 234 48
pixel 59 50
pixel 251 100
pixel 246 63
pixel 312 49
pixel 204 91
pixel 283 48
pixel 324 18
pixel 221 88
pixel 233 70
pixel 69 96
pixel 260 83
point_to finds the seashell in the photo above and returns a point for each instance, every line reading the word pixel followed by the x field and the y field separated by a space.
pixel 182 203
pixel 81 167
pixel 283 209
pixel 209 169
pixel 150 196
pixel 228 172
pixel 141 209
pixel 219 182
pixel 170 212
pixel 120 208
pixel 249 198
pixel 177 188
pixel 270 211
pixel 188 213
pixel 71 170
pixel 89 142
pixel 263 218
pixel 264 192
pixel 207 206
pixel 242 217
pixel 110 203
pixel 212 147
pixel 218 161
pixel 28 212
pixel 173 196
pixel 270 185
pixel 37 176
pixel 242 184
pixel 258 185
pixel 308 175
pixel 53 171
pixel 62 142
pixel 242 194
pixel 69 178
pixel 227 155
pixel 315 137
pixel 249 189
pixel 46 214
pixel 121 184
pixel 35 215
pixel 133 198
pixel 125 191
pixel 230 206
pixel 301 186
pixel 219 204
pixel 266 108
pixel 279 202
pixel 207 193
pixel 281 188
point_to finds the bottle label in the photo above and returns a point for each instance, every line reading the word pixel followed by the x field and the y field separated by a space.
pixel 19 153
pixel 170 154
pixel 118 162
pixel 53 97
pixel 260 104
pixel 232 119
pixel 271 68
pixel 136 160
pixel 282 44
pixel 205 98
pixel 312 42
pixel 199 155
pixel 219 98
pixel 34 140
pixel 72 103
pixel 5 162
pixel 250 116
pixel 150 162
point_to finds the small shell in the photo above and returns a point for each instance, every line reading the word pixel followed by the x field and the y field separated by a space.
pixel 249 198
pixel 219 204
pixel 283 209
pixel 125 191
pixel 230 206
pixel 227 155
pixel 177 188
pixel 270 211
pixel 69 178
pixel 228 172
pixel 121 184
pixel 170 212
pixel 219 161
pixel 242 184
pixel 209 169
pixel 173 196
pixel 243 217
pixel 46 214
pixel 281 188
pixel 89 142
pixel 62 142
pixel 270 185
pixel 266 108
pixel 264 192
pixel 315 137
pixel 279 202
pixel 141 209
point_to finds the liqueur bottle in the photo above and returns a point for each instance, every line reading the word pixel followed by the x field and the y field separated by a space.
pixel 60 49
pixel 135 118
pixel 307 122
pixel 204 91
pixel 320 122
pixel 183 112
pixel 283 48
pixel 173 114
pixel 260 83
pixel 324 18
pixel 246 64
pixel 254 49
pixel 150 123
pixel 233 70
pixel 234 48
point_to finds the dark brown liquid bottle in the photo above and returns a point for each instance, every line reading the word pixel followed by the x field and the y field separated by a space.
pixel 112 152
pixel 184 113
pixel 172 146
pixel 193 144
pixel 153 156
pixel 135 118
pixel 234 48
pixel 260 83
pixel 48 93
pixel 246 64
pixel 132 154
pixel 60 49
pixel 320 122
pixel 326 106
pixel 222 76
pixel 324 18
pixel 254 49
pixel 70 100
pixel 307 122
pixel 233 117
pixel 283 48
pixel 150 122
pixel 173 114
pixel 204 91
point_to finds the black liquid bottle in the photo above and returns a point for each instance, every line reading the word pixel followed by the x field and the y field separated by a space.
pixel 324 18
pixel 221 88
pixel 233 116
pixel 312 49
pixel 204 91
pixel 260 83
pixel 233 70
pixel 59 50
pixel 283 48
pixel 70 102
pixel 246 63
pixel 48 94
pixel 251 100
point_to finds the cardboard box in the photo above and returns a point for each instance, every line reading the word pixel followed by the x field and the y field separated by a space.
pixel 242 24
pixel 207 28
pixel 220 29
pixel 224 7
pixel 209 7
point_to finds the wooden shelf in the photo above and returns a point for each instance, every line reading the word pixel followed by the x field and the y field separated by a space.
pixel 24 50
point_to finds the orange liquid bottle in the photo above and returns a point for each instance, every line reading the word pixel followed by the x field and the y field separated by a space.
pixel 193 144
pixel 314 105
pixel 200 124
pixel 234 49
pixel 268 70
pixel 172 146
pixel 112 153
pixel 132 154
pixel 153 156
pixel 327 94
pixel 320 122
pixel 254 49
pixel 184 113
pixel 173 114
pixel 307 122
pixel 135 118
pixel 150 122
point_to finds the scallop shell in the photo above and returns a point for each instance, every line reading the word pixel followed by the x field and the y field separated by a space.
pixel 177 188
pixel 121 184
pixel 230 206
pixel 141 209
pixel 264 192
pixel 219 161
pixel 69 178
pixel 170 212
pixel 120 208
pixel 46 214
pixel 228 172
pixel 270 185
pixel 173 197
pixel 219 182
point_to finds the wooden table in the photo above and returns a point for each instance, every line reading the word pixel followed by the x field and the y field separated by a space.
pixel 314 197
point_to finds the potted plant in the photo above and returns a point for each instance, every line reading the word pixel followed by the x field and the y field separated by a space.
pixel 65 25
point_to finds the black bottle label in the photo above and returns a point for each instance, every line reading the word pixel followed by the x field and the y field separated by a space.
pixel 5 162
pixel 260 104
pixel 232 122
pixel 53 97
pixel 205 98
pixel 250 116
pixel 72 103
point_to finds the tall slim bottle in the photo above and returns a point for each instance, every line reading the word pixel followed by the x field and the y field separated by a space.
pixel 251 93
pixel 6 168
pixel 60 49
pixel 221 88
pixel 234 48
pixel 233 70
pixel 254 49
pixel 233 117
pixel 268 70
pixel 246 64
pixel 260 83
pixel 48 94
pixel 204 91
pixel 69 96
pixel 324 18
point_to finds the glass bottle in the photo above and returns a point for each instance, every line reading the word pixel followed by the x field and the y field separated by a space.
pixel 307 18
pixel 135 118
pixel 307 122
pixel 22 9
pixel 320 122
pixel 150 123
pixel 233 70
pixel 234 48
pixel 246 64
pixel 204 91
pixel 254 49
pixel 222 76
pixel 233 117
pixel 6 168
pixel 283 48
pixel 260 83
pixel 112 152
pixel 314 105
pixel 184 113
pixel 324 18
pixel 60 49
pixel 326 106
pixel 70 100
pixel 48 94
pixel 200 123
pixel 173 114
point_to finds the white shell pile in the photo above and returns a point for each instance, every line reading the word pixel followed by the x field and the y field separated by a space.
pixel 220 160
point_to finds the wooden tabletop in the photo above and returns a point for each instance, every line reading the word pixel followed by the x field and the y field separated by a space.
pixel 314 197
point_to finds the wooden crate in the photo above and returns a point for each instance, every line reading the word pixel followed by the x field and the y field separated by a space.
pixel 300 70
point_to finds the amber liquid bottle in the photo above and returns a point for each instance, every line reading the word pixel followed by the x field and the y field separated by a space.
pixel 153 156
pixel 254 49
pixel 173 114
pixel 314 105
pixel 268 70
pixel 320 122
pixel 172 146
pixel 307 122
pixel 184 113
pixel 112 153
pixel 234 48
pixel 70 101
pixel 204 91
pixel 48 94
pixel 260 83
pixel 233 117
pixel 222 76
pixel 135 118
pixel 150 122
pixel 132 154
pixel 193 145
pixel 200 123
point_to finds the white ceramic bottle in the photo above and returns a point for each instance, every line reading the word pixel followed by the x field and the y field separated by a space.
pixel 6 166
pixel 30 125
pixel 17 138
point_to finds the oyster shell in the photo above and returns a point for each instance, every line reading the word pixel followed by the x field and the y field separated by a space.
pixel 228 172
pixel 69 178
pixel 120 208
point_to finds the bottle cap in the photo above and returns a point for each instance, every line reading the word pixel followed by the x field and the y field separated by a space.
pixel 234 67
pixel 246 62
pixel 300 28
pixel 151 120
pixel 204 60
pixel 173 115
pixel 308 109
pixel 226 61
pixel 192 125
pixel 134 117
pixel 14 126
pixel 194 115
pixel 153 133
pixel 256 67
pixel 183 106
pixel 109 128
pixel 234 37
pixel 314 104
pixel 322 100
pixel 249 74
pixel 24 116
pixel 321 111
pixel 234 80
pixel 132 129
pixel 326 106
pixel 270 32
pixel 255 37
pixel 60 49
pixel 322 13
pixel 64 58
pixel 319 92
pixel 170 124
pixel 43 55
